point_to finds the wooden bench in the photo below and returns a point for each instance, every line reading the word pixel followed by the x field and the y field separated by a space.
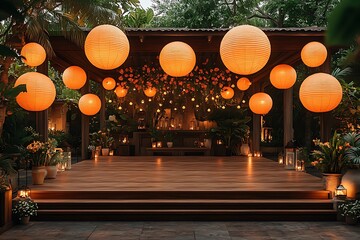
pixel 180 151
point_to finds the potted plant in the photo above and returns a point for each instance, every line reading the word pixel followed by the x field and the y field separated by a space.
pixel 329 160
pixel 6 169
pixel 24 208
pixel 169 138
pixel 38 155
pixel 52 158
pixel 106 141
pixel 351 211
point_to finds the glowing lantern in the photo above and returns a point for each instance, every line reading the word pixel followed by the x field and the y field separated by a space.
pixel 227 92
pixel 34 54
pixel 313 54
pixel 74 77
pixel 150 92
pixel 260 103
pixel 243 84
pixel 283 76
pixel 120 91
pixel 177 59
pixel 109 83
pixel 40 93
pixel 320 92
pixel 106 47
pixel 245 49
pixel 89 104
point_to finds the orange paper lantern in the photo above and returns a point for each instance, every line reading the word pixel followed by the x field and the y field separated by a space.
pixel 120 91
pixel 243 84
pixel 177 59
pixel 109 83
pixel 283 76
pixel 89 104
pixel 40 93
pixel 106 47
pixel 150 92
pixel 245 49
pixel 260 103
pixel 313 54
pixel 74 77
pixel 34 54
pixel 320 92
pixel 227 92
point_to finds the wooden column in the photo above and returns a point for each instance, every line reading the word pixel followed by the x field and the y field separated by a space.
pixel 41 118
pixel 326 119
pixel 85 126
pixel 288 116
pixel 102 109
pixel 256 133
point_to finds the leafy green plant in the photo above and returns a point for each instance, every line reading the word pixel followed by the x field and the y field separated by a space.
pixel 352 153
pixel 6 168
pixel 25 207
pixel 350 209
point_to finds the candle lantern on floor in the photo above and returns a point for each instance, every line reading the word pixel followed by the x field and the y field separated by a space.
pixel 281 158
pixel 300 165
pixel 24 192
pixel 291 154
pixel 153 144
pixel 159 144
pixel 341 192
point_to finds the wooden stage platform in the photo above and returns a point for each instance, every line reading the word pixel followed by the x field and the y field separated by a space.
pixel 182 188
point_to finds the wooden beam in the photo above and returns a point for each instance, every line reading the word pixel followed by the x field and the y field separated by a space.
pixel 41 117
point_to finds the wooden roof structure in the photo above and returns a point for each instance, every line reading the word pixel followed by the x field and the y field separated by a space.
pixel 145 43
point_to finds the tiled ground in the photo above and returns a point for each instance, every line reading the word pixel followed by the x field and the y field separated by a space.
pixel 182 231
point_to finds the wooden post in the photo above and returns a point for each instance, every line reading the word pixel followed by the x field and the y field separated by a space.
pixel 85 126
pixel 256 133
pixel 41 118
pixel 326 119
pixel 103 108
pixel 288 116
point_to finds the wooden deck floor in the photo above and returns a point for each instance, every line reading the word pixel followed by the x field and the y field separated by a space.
pixel 180 173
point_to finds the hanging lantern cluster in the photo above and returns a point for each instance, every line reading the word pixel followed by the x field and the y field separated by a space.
pixel 150 92
pixel 109 83
pixel 177 59
pixel 245 49
pixel 227 93
pixel 283 76
pixel 106 47
pixel 40 91
pixel 33 54
pixel 120 91
pixel 243 84
pixel 320 92
pixel 74 77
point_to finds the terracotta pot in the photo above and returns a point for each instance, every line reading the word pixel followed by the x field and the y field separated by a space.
pixel 331 181
pixel 38 175
pixel 51 172
pixel 244 149
pixel 351 220
pixel 169 144
pixel 25 220
pixel 207 143
pixel 105 151
pixel 351 181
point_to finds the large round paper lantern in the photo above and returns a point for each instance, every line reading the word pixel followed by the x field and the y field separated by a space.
pixel 177 59
pixel 34 54
pixel 120 91
pixel 74 77
pixel 313 54
pixel 283 76
pixel 89 104
pixel 320 92
pixel 40 93
pixel 109 83
pixel 106 47
pixel 260 103
pixel 150 92
pixel 243 84
pixel 227 92
pixel 245 49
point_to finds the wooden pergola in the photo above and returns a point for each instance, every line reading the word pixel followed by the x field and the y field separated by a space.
pixel 286 44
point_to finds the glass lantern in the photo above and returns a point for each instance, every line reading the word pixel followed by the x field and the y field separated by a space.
pixel 341 192
pixel 291 153
pixel 24 192
pixel 281 158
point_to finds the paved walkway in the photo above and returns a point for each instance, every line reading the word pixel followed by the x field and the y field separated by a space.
pixel 182 231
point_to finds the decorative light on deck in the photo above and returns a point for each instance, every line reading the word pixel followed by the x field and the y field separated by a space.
pixel 206 99
pixel 158 110
pixel 197 106
pixel 192 99
pixel 120 107
pixel 183 107
pixel 213 98
pixel 300 165
pixel 142 101
pixel 341 192
pixel 243 101
pixel 223 107
pixel 110 101
pixel 175 109
pixel 160 104
pixel 281 158
pixel 209 110
pixel 238 107
pixel 131 103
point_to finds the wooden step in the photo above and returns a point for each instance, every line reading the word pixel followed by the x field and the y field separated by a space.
pixel 39 194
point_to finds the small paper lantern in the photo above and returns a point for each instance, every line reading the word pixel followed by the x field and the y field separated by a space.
pixel 34 54
pixel 74 77
pixel 40 93
pixel 89 104
pixel 177 59
pixel 150 92
pixel 313 54
pixel 227 92
pixel 120 91
pixel 106 47
pixel 245 49
pixel 260 103
pixel 283 76
pixel 320 92
pixel 243 84
pixel 109 83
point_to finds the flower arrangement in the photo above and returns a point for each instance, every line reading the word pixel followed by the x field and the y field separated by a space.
pixel 36 149
pixel 350 209
pixel 101 138
pixel 24 208
pixel 329 157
